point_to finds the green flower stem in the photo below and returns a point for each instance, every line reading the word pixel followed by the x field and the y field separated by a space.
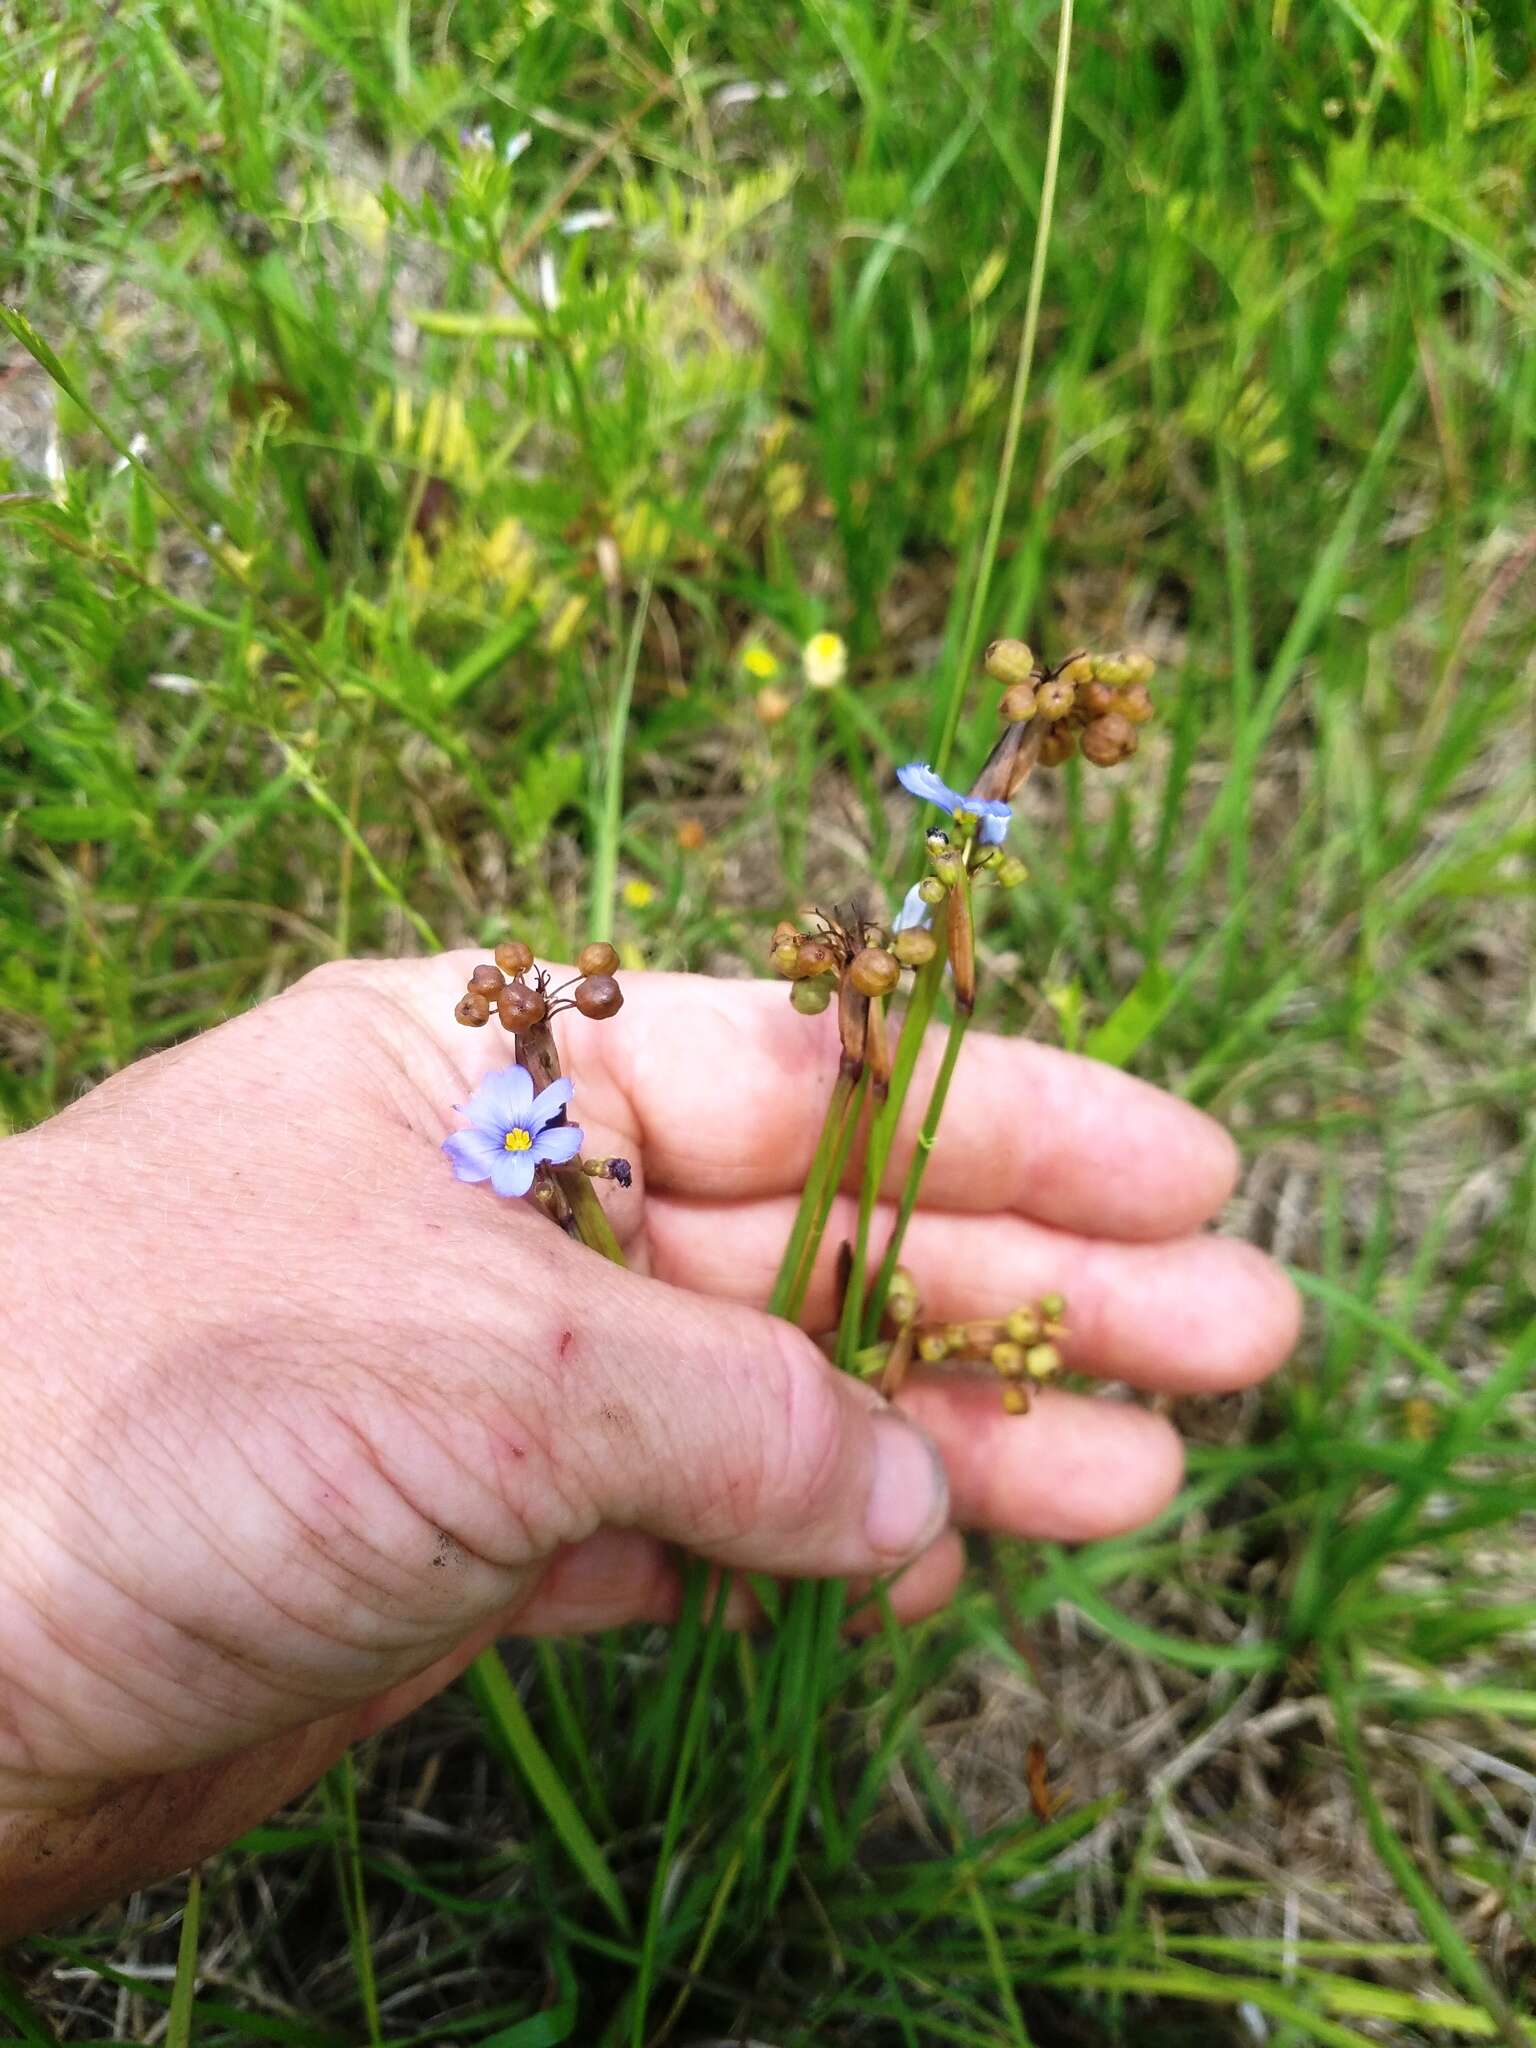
pixel 858 1316
pixel 810 1197
pixel 915 1171
pixel 826 1195
pixel 588 1213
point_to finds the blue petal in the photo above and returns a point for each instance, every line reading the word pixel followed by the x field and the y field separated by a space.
pixel 502 1099
pixel 548 1103
pixel 513 1173
pixel 474 1154
pixel 557 1147
pixel 919 780
pixel 994 829
pixel 914 911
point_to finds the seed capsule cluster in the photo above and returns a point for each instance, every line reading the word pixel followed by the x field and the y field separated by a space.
pixel 1096 702
pixel 1022 1348
pixel 847 956
pixel 520 995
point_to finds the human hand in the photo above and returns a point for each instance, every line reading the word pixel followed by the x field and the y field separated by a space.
pixel 296 1424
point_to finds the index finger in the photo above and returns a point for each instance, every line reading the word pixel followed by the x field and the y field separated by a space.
pixel 726 1088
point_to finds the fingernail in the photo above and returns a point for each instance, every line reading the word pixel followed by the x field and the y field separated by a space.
pixel 909 1493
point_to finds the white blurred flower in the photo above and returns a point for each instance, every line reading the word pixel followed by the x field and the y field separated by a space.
pixel 825 659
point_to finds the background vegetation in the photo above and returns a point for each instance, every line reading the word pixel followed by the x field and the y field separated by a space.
pixel 426 359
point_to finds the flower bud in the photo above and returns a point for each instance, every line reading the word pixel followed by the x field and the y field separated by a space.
pixel 1041 1361
pixel 485 980
pixel 901 1303
pixel 513 957
pixel 937 841
pixel 1135 703
pixel 1059 745
pixel 1053 1307
pixel 472 1009
pixel 931 890
pixel 598 958
pixel 914 947
pixel 598 996
pixel 1008 1359
pixel 1023 1326
pixel 1009 661
pixel 1019 703
pixel 1108 740
pixel 519 1007
pixel 1055 697
pixel 810 998
pixel 875 972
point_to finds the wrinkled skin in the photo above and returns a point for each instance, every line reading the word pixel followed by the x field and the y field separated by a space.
pixel 294 1423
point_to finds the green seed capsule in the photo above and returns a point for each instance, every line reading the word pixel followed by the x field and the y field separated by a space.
pixel 810 998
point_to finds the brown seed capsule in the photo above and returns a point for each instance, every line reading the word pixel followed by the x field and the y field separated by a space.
pixel 598 996
pixel 472 1009
pixel 1135 703
pixel 513 957
pixel 1055 698
pixel 1095 698
pixel 598 958
pixel 785 934
pixel 810 998
pixel 1109 739
pixel 1009 661
pixel 875 972
pixel 690 835
pixel 816 957
pixel 1019 703
pixel 486 980
pixel 914 947
pixel 519 1007
pixel 1059 745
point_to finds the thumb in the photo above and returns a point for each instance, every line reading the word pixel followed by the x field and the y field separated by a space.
pixel 726 1431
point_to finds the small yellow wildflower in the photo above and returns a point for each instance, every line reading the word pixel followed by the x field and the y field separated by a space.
pixel 637 894
pixel 757 661
pixel 826 660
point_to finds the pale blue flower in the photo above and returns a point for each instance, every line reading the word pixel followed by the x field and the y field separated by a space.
pixel 512 1131
pixel 919 780
pixel 915 910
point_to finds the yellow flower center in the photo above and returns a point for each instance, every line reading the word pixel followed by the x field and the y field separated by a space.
pixel 518 1141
